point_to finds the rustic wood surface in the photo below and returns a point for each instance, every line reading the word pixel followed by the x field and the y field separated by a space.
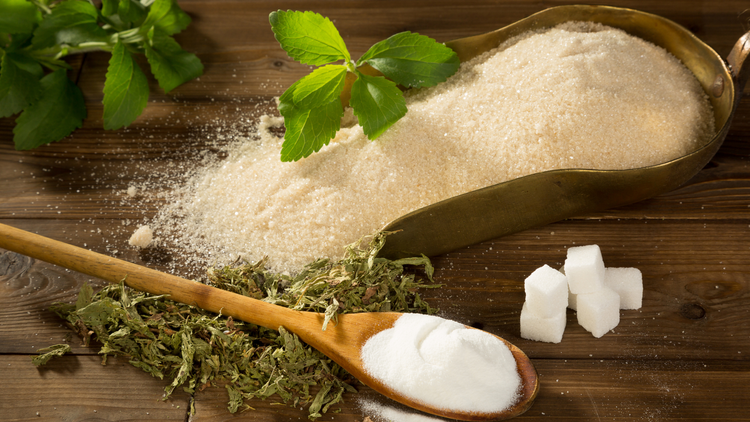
pixel 685 355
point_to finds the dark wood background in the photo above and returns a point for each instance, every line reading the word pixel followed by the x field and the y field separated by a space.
pixel 684 356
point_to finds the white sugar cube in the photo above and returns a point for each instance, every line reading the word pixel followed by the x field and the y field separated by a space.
pixel 538 328
pixel 628 283
pixel 571 296
pixel 546 292
pixel 572 300
pixel 598 312
pixel 584 268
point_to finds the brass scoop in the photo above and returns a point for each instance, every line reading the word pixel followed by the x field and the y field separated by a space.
pixel 550 196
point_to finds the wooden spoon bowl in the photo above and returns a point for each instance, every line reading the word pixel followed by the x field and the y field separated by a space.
pixel 341 341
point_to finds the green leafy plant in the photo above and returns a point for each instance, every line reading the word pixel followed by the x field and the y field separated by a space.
pixel 313 106
pixel 37 34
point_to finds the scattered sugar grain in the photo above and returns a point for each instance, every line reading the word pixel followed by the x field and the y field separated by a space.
pixel 142 237
pixel 383 413
pixel 579 95
pixel 443 364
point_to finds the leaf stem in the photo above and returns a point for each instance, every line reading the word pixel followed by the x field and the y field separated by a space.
pixel 88 47
pixel 351 66
pixel 130 36
pixel 51 57
pixel 43 7
pixel 107 23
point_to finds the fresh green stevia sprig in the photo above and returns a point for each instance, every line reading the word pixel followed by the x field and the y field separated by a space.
pixel 35 35
pixel 312 107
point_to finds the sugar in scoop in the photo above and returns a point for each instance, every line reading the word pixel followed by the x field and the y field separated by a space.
pixel 444 364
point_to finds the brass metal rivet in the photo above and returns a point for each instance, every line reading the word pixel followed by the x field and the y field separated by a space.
pixel 717 88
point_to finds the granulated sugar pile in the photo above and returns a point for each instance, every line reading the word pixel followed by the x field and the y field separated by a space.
pixel 577 96
pixel 444 365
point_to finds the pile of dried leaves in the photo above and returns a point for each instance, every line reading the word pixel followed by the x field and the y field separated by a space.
pixel 196 349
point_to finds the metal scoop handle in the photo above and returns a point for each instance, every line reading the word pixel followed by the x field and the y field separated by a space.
pixel 736 60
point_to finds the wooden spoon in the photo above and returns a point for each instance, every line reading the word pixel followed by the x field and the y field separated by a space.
pixel 341 342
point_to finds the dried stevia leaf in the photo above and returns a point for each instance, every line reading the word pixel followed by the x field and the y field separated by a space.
pixel 85 296
pixel 194 349
pixel 50 352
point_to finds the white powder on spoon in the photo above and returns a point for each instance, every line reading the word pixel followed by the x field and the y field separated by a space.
pixel 443 364
pixel 576 96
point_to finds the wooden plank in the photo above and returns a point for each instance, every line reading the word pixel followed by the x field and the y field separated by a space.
pixel 242 58
pixel 77 388
pixel 630 390
pixel 248 52
pixel 633 390
pixel 622 390
pixel 91 179
pixel 52 187
pixel 163 134
pixel 27 290
pixel 696 290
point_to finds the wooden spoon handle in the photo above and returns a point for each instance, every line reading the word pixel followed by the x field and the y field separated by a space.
pixel 147 280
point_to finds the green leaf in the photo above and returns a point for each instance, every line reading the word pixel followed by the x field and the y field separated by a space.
pixel 125 89
pixel 286 101
pixel 18 16
pixel 71 22
pixel 308 130
pixel 167 16
pixel 171 65
pixel 412 60
pixel 321 86
pixel 58 112
pixel 19 83
pixel 129 12
pixel 311 118
pixel 109 7
pixel 308 37
pixel 17 42
pixel 377 103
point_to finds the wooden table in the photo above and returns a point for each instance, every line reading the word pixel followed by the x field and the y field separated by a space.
pixel 685 355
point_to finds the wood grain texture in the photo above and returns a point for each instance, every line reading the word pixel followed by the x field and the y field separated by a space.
pixel 684 356
pixel 80 388
pixel 39 189
pixel 575 390
pixel 27 290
